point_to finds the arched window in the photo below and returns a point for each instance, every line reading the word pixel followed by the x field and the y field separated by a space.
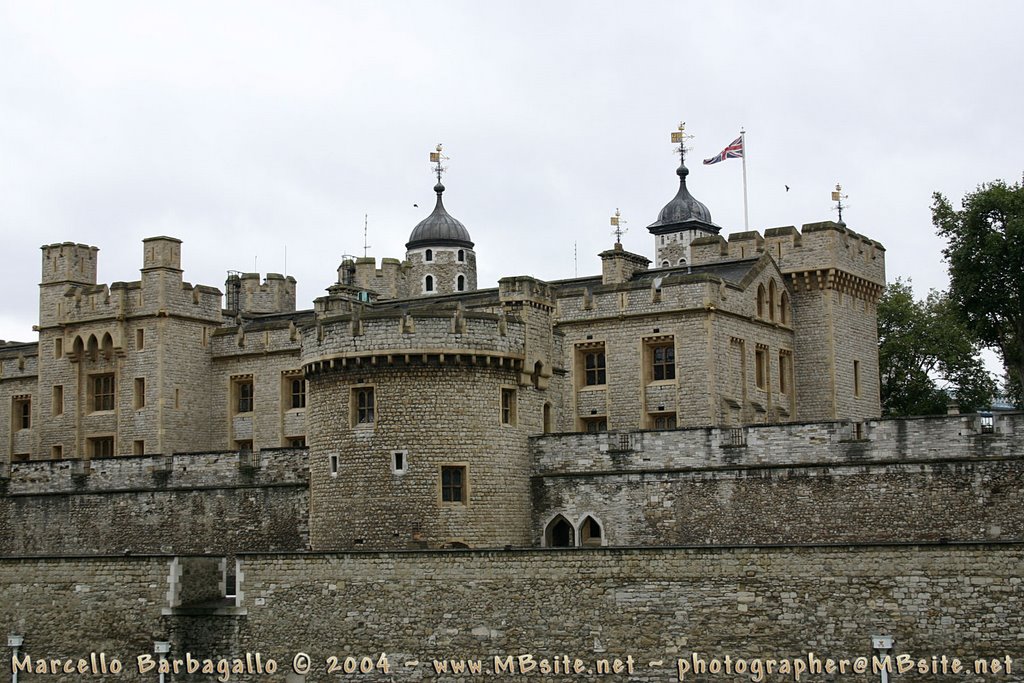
pixel 559 533
pixel 665 264
pixel 428 283
pixel 428 255
pixel 590 532
pixel 682 262
pixel 760 301
pixel 462 256
pixel 771 299
pixel 784 308
pixel 460 283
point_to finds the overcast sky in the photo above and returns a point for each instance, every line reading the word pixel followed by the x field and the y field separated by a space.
pixel 250 129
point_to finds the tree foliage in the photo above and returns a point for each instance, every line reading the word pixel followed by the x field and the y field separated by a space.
pixel 985 254
pixel 926 356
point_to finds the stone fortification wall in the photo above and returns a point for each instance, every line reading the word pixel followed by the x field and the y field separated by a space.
pixel 204 502
pixel 647 604
pixel 924 479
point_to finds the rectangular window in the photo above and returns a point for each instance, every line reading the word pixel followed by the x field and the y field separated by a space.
pixel 101 447
pixel 590 360
pixel 102 392
pixel 243 389
pixel 362 406
pixel 243 445
pixel 856 378
pixel 664 421
pixel 508 406
pixel 399 461
pixel 296 442
pixel 333 464
pixel 140 392
pixel 453 483
pixel 297 391
pixel 22 411
pixel 56 452
pixel 595 424
pixel 58 348
pixel 138 447
pixel 20 457
pixel 58 399
pixel 663 361
pixel 761 367
pixel 140 339
pixel 785 371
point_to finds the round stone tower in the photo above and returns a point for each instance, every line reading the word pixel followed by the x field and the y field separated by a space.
pixel 418 423
pixel 440 250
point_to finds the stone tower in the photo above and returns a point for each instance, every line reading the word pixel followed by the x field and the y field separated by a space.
pixel 681 221
pixel 439 250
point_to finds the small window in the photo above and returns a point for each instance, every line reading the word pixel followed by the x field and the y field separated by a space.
pixel 428 255
pixel 298 393
pixel 663 362
pixel 462 256
pixel 243 395
pixel 140 339
pixel 140 392
pixel 453 483
pixel 760 301
pixel 856 378
pixel 560 533
pixel 593 425
pixel 102 392
pixel 593 367
pixel 58 399
pixel 548 427
pixel 101 447
pixel 296 442
pixel 243 445
pixel 508 406
pixel 761 368
pixel 665 264
pixel 460 283
pixel 20 457
pixel 784 308
pixel 590 532
pixel 22 413
pixel 771 300
pixel 58 347
pixel 428 283
pixel 56 452
pixel 138 447
pixel 399 462
pixel 363 408
pixel 664 421
pixel 333 464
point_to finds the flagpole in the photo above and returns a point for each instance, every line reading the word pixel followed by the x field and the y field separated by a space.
pixel 746 219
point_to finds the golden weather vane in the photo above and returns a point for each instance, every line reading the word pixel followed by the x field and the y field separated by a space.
pixel 436 157
pixel 679 137
pixel 838 197
pixel 617 220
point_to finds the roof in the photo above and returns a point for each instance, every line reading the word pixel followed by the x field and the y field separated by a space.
pixel 684 212
pixel 439 228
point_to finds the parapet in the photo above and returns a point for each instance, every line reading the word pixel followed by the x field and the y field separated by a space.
pixel 161 252
pixel 69 262
pixel 247 295
pixel 816 247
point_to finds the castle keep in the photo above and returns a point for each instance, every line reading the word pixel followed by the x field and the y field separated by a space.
pixel 226 472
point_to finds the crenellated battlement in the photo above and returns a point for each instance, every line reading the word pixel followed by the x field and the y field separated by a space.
pixel 393 336
pixel 246 294
pixel 817 248
pixel 69 262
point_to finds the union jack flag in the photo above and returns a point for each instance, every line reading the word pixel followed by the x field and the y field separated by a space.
pixel 734 150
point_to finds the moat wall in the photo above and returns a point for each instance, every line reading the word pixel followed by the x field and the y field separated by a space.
pixel 186 503
pixel 653 604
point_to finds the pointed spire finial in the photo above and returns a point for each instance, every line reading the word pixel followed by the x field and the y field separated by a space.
pixel 436 157
pixel 679 138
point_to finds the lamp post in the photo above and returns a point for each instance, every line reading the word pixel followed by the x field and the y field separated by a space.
pixel 14 641
pixel 161 647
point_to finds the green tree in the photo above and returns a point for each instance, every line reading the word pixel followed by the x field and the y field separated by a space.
pixel 926 356
pixel 986 268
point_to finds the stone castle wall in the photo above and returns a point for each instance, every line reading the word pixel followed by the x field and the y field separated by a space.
pixel 905 480
pixel 960 600
pixel 189 502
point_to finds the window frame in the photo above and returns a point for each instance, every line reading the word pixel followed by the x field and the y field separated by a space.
pixel 102 446
pixel 665 367
pixel 243 394
pixel 447 490
pixel 507 399
pixel 101 400
pixel 762 374
pixel 592 360
pixel 362 413
pixel 295 396
pixel 21 410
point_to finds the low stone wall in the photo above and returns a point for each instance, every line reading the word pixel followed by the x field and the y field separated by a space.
pixel 189 503
pixel 650 605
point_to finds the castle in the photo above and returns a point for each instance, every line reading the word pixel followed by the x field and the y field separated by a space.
pixel 716 415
